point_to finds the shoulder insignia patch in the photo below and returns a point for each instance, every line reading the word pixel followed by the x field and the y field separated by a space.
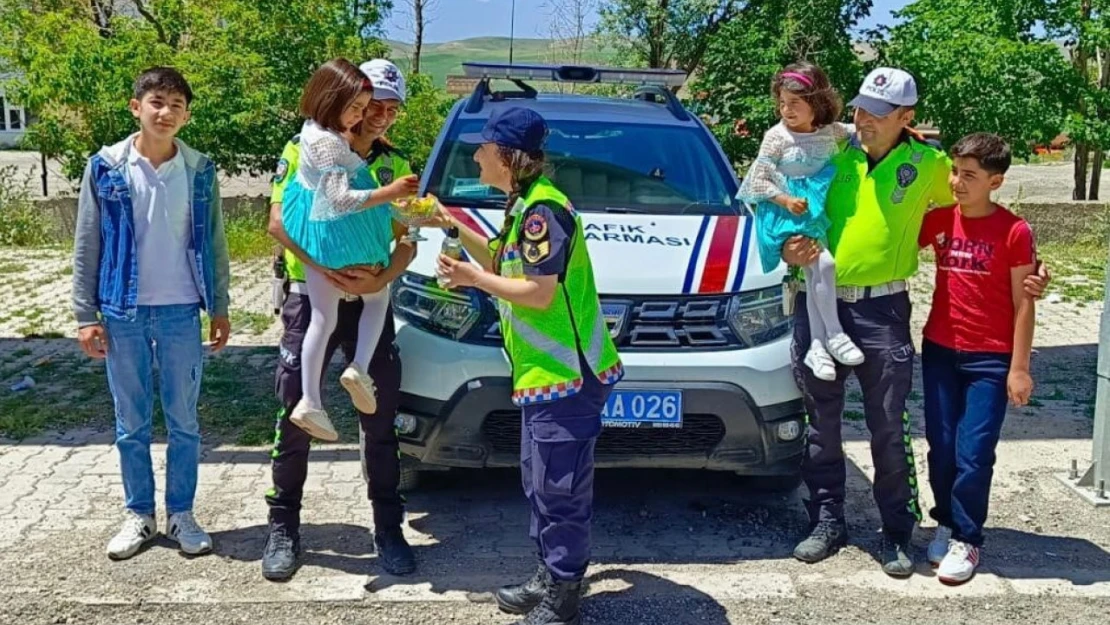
pixel 535 227
pixel 907 174
pixel 282 170
pixel 536 252
pixel 385 175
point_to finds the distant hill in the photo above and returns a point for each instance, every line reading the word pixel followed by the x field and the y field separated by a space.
pixel 441 59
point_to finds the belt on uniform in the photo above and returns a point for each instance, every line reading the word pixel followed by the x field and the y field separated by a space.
pixel 300 288
pixel 852 294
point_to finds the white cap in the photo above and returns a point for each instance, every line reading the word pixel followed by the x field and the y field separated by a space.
pixel 387 80
pixel 884 90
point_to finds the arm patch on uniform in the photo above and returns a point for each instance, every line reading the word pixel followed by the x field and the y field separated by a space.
pixel 385 175
pixel 536 252
pixel 282 170
pixel 535 227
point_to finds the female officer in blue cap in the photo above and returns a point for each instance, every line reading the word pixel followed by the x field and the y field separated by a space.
pixel 563 362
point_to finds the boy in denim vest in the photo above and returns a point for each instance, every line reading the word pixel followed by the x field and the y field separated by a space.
pixel 150 253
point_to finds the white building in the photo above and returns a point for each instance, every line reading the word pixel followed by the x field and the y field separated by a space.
pixel 13 119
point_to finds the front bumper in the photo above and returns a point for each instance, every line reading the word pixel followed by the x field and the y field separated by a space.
pixel 722 430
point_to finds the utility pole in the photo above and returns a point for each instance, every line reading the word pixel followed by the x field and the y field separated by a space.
pixel 512 31
pixel 1093 483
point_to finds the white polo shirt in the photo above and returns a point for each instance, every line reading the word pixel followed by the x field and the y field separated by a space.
pixel 160 204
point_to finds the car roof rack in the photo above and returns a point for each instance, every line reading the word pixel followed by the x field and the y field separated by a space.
pixel 655 85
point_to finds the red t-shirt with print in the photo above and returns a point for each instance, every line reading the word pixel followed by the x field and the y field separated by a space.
pixel 973 307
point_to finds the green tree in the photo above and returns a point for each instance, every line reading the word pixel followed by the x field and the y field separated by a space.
pixel 984 67
pixel 668 33
pixel 740 61
pixel 247 61
pixel 420 121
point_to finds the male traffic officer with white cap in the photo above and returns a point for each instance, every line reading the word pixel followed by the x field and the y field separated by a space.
pixel 886 179
pixel 378 439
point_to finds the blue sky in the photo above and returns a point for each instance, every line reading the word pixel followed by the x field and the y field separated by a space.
pixel 462 19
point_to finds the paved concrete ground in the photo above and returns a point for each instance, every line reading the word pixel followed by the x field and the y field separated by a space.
pixel 669 547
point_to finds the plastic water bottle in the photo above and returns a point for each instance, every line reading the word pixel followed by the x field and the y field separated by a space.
pixel 452 248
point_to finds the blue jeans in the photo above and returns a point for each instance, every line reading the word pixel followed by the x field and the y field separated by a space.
pixel 169 335
pixel 965 404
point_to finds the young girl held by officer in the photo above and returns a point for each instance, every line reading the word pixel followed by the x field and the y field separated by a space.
pixel 334 211
pixel 787 184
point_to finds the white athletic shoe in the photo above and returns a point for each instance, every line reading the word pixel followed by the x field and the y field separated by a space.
pixel 959 565
pixel 137 530
pixel 313 421
pixel 819 361
pixel 361 388
pixel 938 548
pixel 182 528
pixel 844 350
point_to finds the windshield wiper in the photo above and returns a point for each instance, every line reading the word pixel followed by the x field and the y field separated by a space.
pixel 622 210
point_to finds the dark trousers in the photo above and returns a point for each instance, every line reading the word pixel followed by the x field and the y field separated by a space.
pixel 881 328
pixel 557 442
pixel 381 463
pixel 965 404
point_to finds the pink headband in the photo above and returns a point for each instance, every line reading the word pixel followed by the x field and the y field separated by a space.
pixel 802 78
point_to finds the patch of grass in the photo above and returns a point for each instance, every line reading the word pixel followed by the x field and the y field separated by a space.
pixel 914 396
pixel 247 322
pixel 853 415
pixel 13 268
pixel 1034 403
pixel 237 402
pixel 1078 270
pixel 22 352
pixel 66 271
pixel 1057 395
pixel 854 396
pixel 246 236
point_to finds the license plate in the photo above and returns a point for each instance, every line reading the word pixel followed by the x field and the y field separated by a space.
pixel 648 409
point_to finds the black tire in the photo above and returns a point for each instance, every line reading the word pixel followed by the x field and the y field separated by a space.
pixel 410 475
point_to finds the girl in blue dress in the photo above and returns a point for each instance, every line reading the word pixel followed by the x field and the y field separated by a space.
pixel 787 184
pixel 334 211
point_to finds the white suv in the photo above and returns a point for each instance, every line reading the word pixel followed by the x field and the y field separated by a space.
pixel 700 328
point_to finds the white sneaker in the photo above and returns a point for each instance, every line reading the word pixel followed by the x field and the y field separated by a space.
pixel 361 388
pixel 938 548
pixel 844 350
pixel 819 361
pixel 313 421
pixel 182 528
pixel 959 565
pixel 137 530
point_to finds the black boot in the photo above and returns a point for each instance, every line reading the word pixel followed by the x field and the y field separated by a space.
pixel 282 555
pixel 394 552
pixel 827 537
pixel 523 598
pixel 560 605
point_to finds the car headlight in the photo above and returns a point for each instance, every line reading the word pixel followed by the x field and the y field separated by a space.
pixel 454 313
pixel 756 317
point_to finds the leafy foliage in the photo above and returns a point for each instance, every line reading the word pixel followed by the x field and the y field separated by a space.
pixel 734 84
pixel 246 60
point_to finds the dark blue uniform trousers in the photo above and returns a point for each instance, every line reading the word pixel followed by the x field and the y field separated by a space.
pixel 881 328
pixel 557 470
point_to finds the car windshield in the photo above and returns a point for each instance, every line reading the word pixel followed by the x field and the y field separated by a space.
pixel 605 167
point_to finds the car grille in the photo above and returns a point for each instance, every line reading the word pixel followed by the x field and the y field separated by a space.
pixel 669 323
pixel 700 434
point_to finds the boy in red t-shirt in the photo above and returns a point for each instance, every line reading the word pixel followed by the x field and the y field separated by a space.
pixel 976 349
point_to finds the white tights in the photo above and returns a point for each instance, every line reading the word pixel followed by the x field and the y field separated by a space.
pixel 821 298
pixel 324 298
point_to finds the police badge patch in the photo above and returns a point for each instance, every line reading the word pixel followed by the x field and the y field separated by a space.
pixel 385 175
pixel 907 174
pixel 282 169
pixel 535 228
